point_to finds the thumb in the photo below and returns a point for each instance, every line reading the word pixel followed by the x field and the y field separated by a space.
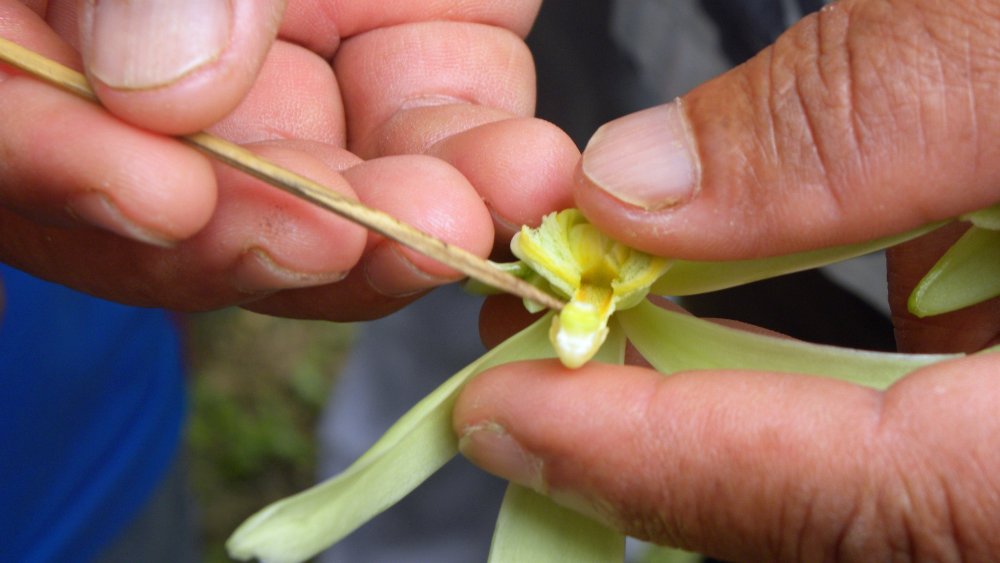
pixel 865 119
pixel 175 66
pixel 751 466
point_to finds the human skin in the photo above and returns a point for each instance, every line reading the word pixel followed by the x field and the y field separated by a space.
pixel 421 109
pixel 869 118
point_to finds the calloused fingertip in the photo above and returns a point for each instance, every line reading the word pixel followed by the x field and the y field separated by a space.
pixel 257 271
pixel 491 447
pixel 390 273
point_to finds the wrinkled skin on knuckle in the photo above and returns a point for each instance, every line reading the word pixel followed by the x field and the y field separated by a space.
pixel 938 497
pixel 859 109
pixel 924 88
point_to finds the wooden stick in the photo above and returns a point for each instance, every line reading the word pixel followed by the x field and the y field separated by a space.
pixel 297 185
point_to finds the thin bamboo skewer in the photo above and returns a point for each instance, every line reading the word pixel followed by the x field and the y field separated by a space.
pixel 297 185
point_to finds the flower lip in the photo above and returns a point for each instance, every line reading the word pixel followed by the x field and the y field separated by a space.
pixel 598 275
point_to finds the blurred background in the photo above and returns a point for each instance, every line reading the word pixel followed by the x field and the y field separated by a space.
pixel 258 386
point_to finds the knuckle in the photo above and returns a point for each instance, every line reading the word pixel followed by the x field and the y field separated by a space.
pixel 862 95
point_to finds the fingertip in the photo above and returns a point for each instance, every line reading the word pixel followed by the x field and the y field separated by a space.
pixel 390 272
pixel 636 175
pixel 175 67
pixel 295 96
pixel 425 193
pixel 697 458
pixel 647 159
pixel 522 167
pixel 472 71
pixel 105 173
pixel 270 239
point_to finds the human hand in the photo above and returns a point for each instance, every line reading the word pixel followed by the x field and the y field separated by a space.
pixel 793 151
pixel 344 91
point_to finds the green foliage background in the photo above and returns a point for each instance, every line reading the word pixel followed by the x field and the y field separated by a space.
pixel 258 385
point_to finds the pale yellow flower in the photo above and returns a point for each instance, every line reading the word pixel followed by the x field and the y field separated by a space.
pixel 605 283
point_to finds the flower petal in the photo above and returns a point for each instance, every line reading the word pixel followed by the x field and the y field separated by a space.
pixel 531 527
pixel 988 218
pixel 968 273
pixel 418 444
pixel 674 342
pixel 688 277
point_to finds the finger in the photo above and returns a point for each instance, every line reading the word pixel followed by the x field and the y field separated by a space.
pixel 68 162
pixel 319 25
pixel 175 66
pixel 259 240
pixel 67 166
pixel 522 168
pixel 265 240
pixel 751 466
pixel 407 87
pixel 24 24
pixel 295 97
pixel 418 190
pixel 864 119
pixel 967 330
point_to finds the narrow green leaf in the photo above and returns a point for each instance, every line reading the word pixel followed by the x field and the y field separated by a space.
pixel 418 444
pixel 988 218
pixel 533 529
pixel 687 277
pixel 674 342
pixel 661 554
pixel 968 273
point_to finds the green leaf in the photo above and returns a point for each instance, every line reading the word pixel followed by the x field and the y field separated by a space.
pixel 687 277
pixel 968 273
pixel 674 342
pixel 661 554
pixel 418 444
pixel 531 528
pixel 988 218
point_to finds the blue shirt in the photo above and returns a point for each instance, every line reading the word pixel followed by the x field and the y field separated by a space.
pixel 91 408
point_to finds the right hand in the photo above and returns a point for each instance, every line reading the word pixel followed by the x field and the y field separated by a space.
pixel 868 119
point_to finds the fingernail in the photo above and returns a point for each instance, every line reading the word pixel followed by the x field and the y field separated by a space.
pixel 646 159
pixel 257 271
pixel 99 210
pixel 489 446
pixel 391 274
pixel 139 44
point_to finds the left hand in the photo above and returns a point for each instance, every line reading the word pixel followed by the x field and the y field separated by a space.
pixel 107 203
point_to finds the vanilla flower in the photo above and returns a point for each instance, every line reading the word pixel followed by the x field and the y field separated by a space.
pixel 605 284
pixel 596 273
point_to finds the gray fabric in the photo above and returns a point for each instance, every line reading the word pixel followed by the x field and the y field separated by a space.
pixel 673 45
pixel 865 277
pixel 165 530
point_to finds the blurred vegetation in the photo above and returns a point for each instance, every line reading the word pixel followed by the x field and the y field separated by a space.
pixel 258 387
